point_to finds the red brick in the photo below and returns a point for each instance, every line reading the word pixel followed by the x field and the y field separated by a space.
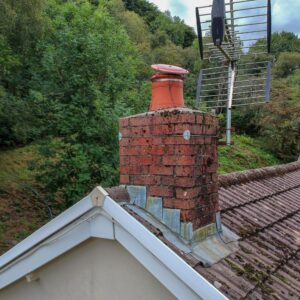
pixel 213 168
pixel 157 141
pixel 130 150
pixel 179 140
pixel 184 118
pixel 199 119
pixel 160 191
pixel 167 180
pixel 134 170
pixel 187 193
pixel 124 160
pixel 140 121
pixel 145 180
pixel 126 132
pixel 141 141
pixel 179 203
pixel 161 150
pixel 211 130
pixel 124 179
pixel 209 120
pixel 136 131
pixel 196 214
pixel 204 220
pixel 180 160
pixel 185 149
pixel 124 142
pixel 162 129
pixel 161 170
pixel 123 122
pixel 141 160
pixel 185 181
pixel 181 128
pixel 184 171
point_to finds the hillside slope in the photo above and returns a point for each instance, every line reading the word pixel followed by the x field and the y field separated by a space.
pixel 23 211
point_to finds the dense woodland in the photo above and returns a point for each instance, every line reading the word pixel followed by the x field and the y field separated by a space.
pixel 70 69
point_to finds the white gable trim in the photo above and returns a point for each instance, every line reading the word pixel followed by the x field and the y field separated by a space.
pixel 58 244
pixel 85 220
pixel 49 229
pixel 198 284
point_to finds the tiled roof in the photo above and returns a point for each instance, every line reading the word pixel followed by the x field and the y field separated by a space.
pixel 263 207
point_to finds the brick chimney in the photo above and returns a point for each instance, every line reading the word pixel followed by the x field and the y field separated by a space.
pixel 170 155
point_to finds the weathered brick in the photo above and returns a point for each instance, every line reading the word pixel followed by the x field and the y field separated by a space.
pixel 124 160
pixel 140 121
pixel 180 160
pixel 145 180
pixel 168 180
pixel 176 140
pixel 134 170
pixel 160 191
pixel 199 119
pixel 184 118
pixel 187 193
pixel 184 171
pixel 162 129
pixel 124 179
pixel 161 170
pixel 141 160
pixel 136 150
pixel 124 142
pixel 204 220
pixel 123 122
pixel 185 149
pixel 154 154
pixel 161 150
pixel 179 203
pixel 185 181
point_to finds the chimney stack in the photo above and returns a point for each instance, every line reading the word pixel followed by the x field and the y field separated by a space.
pixel 169 160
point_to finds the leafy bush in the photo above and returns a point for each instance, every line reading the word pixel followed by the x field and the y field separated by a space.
pixel 87 78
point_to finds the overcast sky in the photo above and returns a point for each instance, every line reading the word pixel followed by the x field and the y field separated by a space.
pixel 286 13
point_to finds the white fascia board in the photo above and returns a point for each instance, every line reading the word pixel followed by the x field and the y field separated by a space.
pixel 47 230
pixel 59 244
pixel 199 285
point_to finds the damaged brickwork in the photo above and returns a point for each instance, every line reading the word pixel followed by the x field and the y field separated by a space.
pixel 173 153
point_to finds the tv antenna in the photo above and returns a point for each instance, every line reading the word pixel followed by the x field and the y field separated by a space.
pixel 235 38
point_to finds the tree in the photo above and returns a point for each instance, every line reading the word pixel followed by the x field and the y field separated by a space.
pixel 286 65
pixel 285 42
pixel 87 78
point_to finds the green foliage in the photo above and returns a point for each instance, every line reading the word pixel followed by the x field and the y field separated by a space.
pixel 87 80
pixel 280 120
pixel 287 63
pixel 247 153
pixel 285 42
pixel 70 69
pixel 177 32
pixel 22 23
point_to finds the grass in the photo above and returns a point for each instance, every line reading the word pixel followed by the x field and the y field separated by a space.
pixel 15 167
pixel 21 212
pixel 247 153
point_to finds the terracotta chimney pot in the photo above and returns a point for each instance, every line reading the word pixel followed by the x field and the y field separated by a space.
pixel 167 87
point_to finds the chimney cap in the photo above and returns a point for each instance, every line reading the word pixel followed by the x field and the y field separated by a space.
pixel 169 69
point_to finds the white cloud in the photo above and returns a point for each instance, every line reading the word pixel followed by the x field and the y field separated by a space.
pixel 163 5
pixel 285 12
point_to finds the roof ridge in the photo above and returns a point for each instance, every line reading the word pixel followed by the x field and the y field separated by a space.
pixel 257 174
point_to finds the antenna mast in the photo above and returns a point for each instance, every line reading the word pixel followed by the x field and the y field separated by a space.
pixel 235 37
